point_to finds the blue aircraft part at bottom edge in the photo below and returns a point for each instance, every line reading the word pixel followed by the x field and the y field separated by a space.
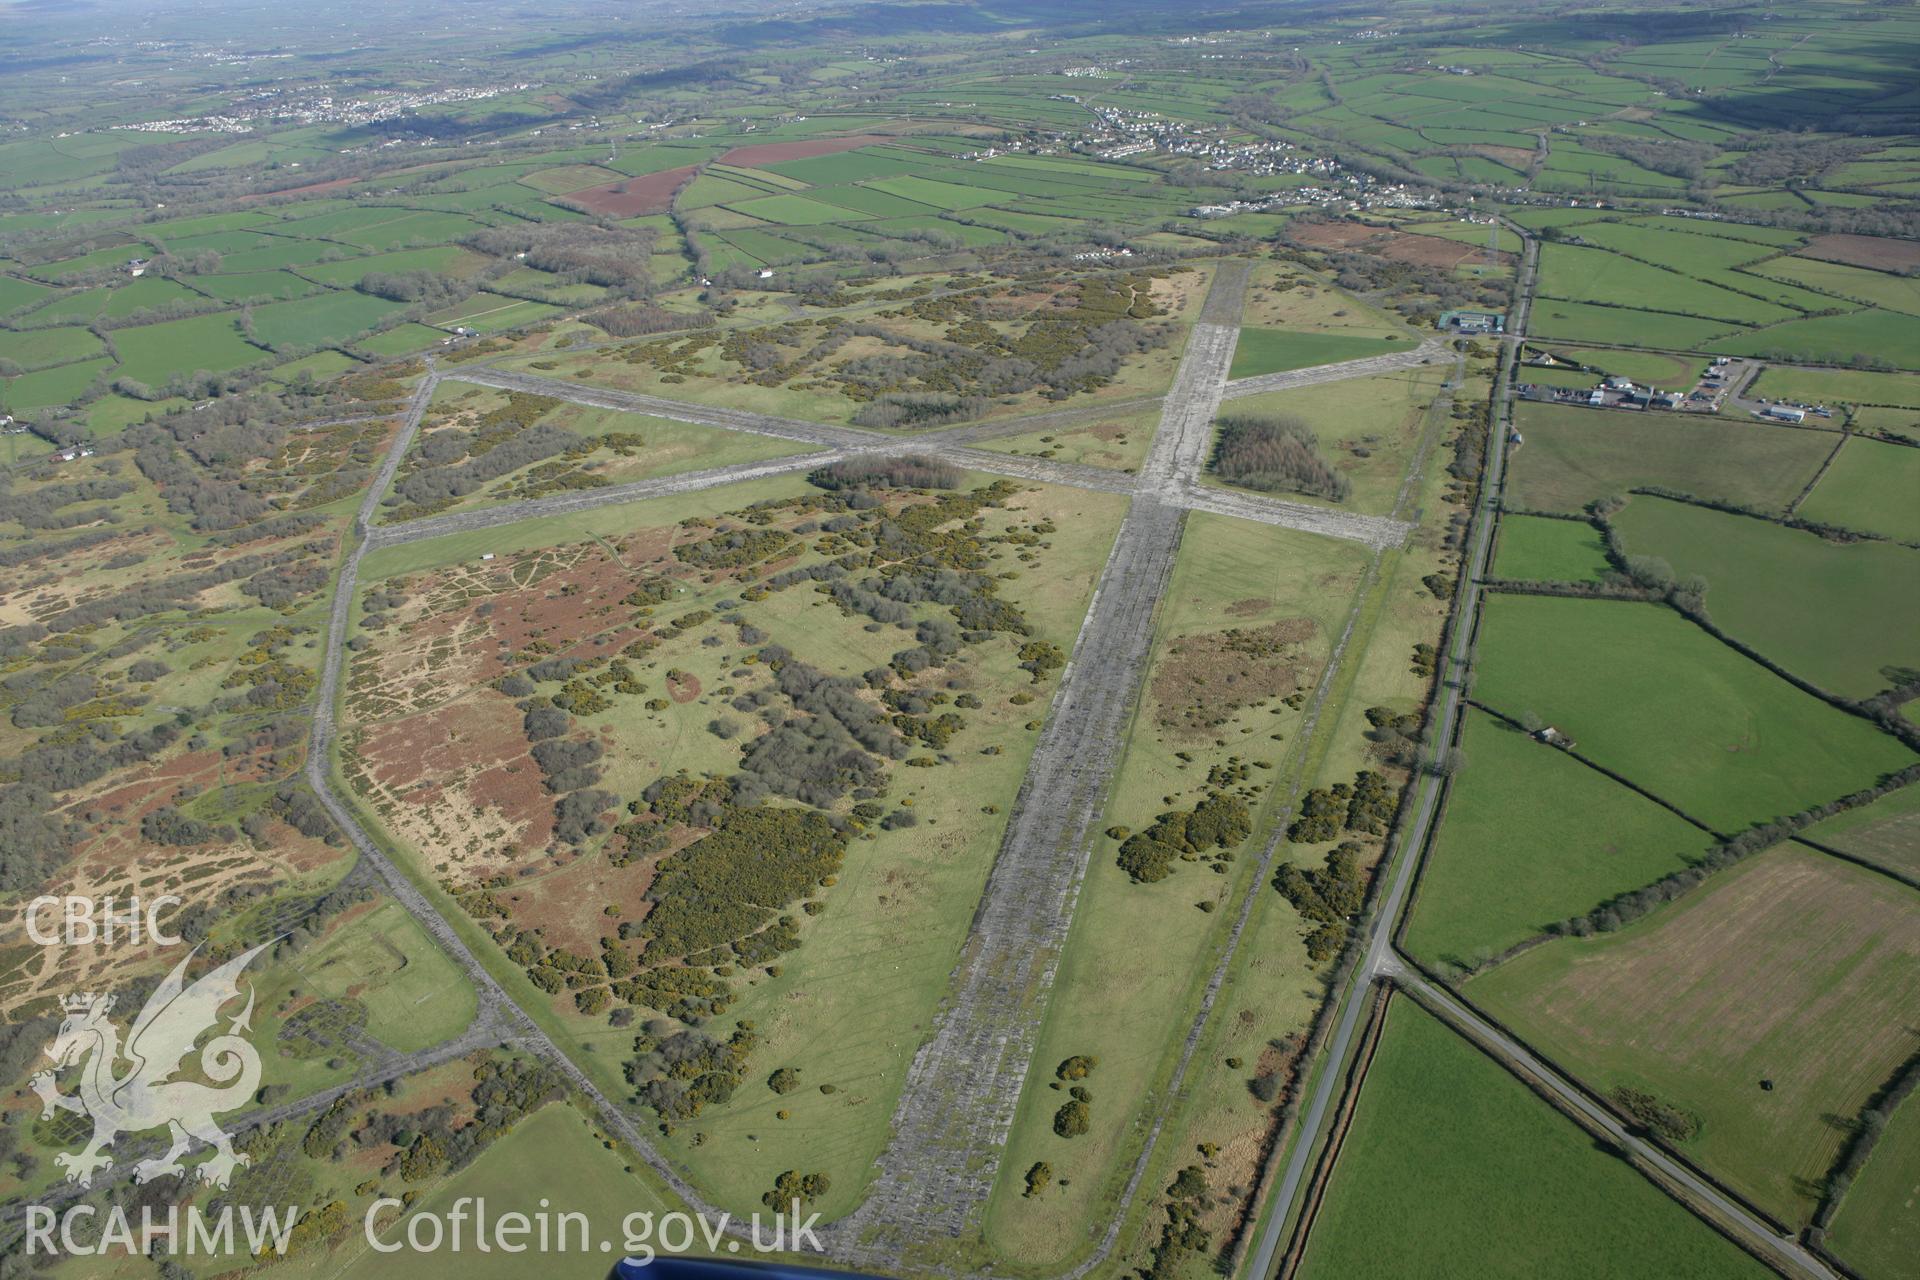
pixel 680 1267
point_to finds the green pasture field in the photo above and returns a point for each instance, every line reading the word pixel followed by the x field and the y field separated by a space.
pixel 844 168
pixel 706 190
pixel 1621 326
pixel 1766 967
pixel 55 386
pixel 450 259
pixel 1030 223
pixel 43 348
pixel 941 195
pixel 98 260
pixel 1854 607
pixel 250 285
pixel 1531 838
pixel 1370 429
pixel 152 353
pixel 1275 350
pixel 877 203
pixel 1593 275
pixel 1138 953
pixel 1536 549
pixel 319 321
pixel 1871 333
pixel 970 236
pixel 112 413
pixel 1453 1167
pixel 1885 833
pixel 1874 288
pixel 1871 486
pixel 1704 256
pixel 793 211
pixel 1838 386
pixel 1648 694
pixel 1773 237
pixel 16 293
pixel 112 303
pixel 1876 1230
pixel 491 312
pixel 274 252
pixel 1573 455
pixel 401 339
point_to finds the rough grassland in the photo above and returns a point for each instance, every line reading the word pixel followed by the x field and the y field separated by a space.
pixel 1764 973
pixel 1533 837
pixel 1533 549
pixel 1645 692
pixel 851 1005
pixel 1878 1227
pixel 1870 486
pixel 1453 1168
pixel 1885 833
pixel 1573 455
pixel 1852 608
pixel 1369 429
pixel 1137 953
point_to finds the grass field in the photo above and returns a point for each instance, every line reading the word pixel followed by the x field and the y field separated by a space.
pixel 1878 1227
pixel 1765 969
pixel 1886 832
pixel 1579 274
pixel 1274 350
pixel 1370 429
pixel 1870 333
pixel 554 1148
pixel 152 353
pixel 1853 608
pixel 1838 386
pixel 1622 326
pixel 1536 549
pixel 1573 456
pixel 1650 695
pixel 414 996
pixel 1119 441
pixel 1533 837
pixel 1870 486
pixel 1454 1168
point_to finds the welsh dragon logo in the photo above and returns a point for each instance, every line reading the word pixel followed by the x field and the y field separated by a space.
pixel 147 1096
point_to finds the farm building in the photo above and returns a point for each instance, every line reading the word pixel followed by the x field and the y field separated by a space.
pixel 1782 413
pixel 1474 322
